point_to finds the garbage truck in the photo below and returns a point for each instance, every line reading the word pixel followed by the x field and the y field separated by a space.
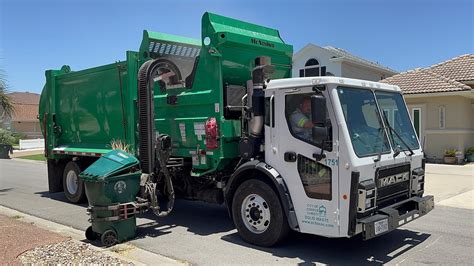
pixel 219 119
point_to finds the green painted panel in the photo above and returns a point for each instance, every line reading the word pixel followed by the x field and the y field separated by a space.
pixel 90 108
pixel 228 59
pixel 96 105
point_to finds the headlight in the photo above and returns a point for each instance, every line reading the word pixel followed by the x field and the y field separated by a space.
pixel 367 195
pixel 418 181
pixel 369 203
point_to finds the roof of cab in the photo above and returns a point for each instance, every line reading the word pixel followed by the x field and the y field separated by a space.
pixel 313 81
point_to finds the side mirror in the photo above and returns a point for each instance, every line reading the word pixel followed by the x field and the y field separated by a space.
pixel 318 116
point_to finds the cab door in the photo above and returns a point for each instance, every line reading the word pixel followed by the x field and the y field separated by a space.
pixel 313 184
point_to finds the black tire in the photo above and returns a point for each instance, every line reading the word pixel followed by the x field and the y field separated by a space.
pixel 109 238
pixel 79 194
pixel 91 235
pixel 277 228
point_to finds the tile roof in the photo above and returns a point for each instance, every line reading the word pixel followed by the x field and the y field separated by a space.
pixel 442 77
pixel 460 68
pixel 345 54
pixel 25 112
pixel 24 97
pixel 26 106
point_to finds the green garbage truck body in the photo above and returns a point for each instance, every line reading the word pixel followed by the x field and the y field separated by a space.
pixel 220 120
pixel 86 113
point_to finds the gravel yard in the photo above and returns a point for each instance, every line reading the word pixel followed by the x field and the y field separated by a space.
pixel 24 243
pixel 67 253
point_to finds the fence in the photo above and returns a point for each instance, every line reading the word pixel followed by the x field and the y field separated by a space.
pixel 31 144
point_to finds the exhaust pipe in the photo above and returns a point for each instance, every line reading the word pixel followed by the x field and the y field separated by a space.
pixel 249 146
pixel 261 71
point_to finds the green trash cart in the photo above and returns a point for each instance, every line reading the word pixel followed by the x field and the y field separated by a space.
pixel 112 184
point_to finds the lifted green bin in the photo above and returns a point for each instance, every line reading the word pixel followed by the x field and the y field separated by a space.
pixel 112 184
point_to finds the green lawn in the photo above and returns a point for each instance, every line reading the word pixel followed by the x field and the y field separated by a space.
pixel 36 157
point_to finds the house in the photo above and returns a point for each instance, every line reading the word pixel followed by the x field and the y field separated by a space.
pixel 313 60
pixel 24 118
pixel 440 100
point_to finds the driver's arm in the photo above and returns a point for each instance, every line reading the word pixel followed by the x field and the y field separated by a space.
pixel 308 124
pixel 301 121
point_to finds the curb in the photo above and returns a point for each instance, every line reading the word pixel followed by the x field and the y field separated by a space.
pixel 126 252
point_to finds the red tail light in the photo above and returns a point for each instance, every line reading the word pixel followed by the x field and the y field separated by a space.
pixel 212 133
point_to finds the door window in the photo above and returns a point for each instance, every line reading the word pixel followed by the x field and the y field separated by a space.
pixel 298 116
pixel 316 178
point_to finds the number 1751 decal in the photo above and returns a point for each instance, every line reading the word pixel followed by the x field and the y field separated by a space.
pixel 331 162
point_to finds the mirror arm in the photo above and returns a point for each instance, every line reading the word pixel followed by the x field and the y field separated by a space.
pixel 319 156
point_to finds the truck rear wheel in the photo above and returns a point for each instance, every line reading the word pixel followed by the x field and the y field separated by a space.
pixel 258 214
pixel 72 184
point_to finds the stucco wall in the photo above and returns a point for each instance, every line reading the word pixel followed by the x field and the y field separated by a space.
pixel 360 72
pixel 31 129
pixel 320 54
pixel 436 144
pixel 459 125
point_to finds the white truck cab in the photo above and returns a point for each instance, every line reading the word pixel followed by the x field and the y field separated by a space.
pixel 357 166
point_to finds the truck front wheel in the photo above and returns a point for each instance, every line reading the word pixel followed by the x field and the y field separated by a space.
pixel 72 184
pixel 258 214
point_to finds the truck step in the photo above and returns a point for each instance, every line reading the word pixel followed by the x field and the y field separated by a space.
pixel 175 162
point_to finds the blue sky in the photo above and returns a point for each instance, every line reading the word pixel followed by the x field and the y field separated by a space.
pixel 404 34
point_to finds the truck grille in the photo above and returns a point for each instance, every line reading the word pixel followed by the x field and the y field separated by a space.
pixel 393 184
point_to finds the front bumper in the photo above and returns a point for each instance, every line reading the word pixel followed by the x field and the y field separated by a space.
pixel 395 215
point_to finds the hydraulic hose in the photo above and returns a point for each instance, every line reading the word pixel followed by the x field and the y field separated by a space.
pixel 151 149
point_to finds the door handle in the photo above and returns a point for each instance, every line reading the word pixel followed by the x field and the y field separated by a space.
pixel 289 156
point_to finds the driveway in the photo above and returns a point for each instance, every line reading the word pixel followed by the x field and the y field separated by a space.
pixel 448 181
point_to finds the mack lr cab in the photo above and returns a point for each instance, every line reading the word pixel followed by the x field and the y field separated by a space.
pixel 220 120
pixel 360 171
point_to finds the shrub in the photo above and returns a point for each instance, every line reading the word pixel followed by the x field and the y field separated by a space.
pixel 470 151
pixel 6 137
pixel 18 136
pixel 450 152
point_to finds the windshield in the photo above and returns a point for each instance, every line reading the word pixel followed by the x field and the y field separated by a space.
pixel 363 121
pixel 397 115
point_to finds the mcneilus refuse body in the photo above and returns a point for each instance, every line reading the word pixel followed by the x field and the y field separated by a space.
pixel 219 119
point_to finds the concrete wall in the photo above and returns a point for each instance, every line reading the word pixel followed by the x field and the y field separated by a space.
pixel 359 72
pixel 320 54
pixel 459 125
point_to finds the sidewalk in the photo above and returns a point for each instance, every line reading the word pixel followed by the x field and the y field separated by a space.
pixel 26 239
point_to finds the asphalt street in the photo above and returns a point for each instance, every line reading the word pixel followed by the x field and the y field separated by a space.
pixel 203 234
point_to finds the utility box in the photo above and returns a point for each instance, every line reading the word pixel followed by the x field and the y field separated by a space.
pixel 112 184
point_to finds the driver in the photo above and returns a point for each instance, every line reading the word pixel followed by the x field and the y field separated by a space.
pixel 301 119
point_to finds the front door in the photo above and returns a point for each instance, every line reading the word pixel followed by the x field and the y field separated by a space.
pixel 313 185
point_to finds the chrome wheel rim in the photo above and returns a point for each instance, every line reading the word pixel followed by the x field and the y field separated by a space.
pixel 255 213
pixel 72 182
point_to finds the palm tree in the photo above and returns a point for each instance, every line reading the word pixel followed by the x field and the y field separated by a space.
pixel 6 103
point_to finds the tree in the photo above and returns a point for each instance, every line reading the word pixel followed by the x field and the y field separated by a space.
pixel 6 103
